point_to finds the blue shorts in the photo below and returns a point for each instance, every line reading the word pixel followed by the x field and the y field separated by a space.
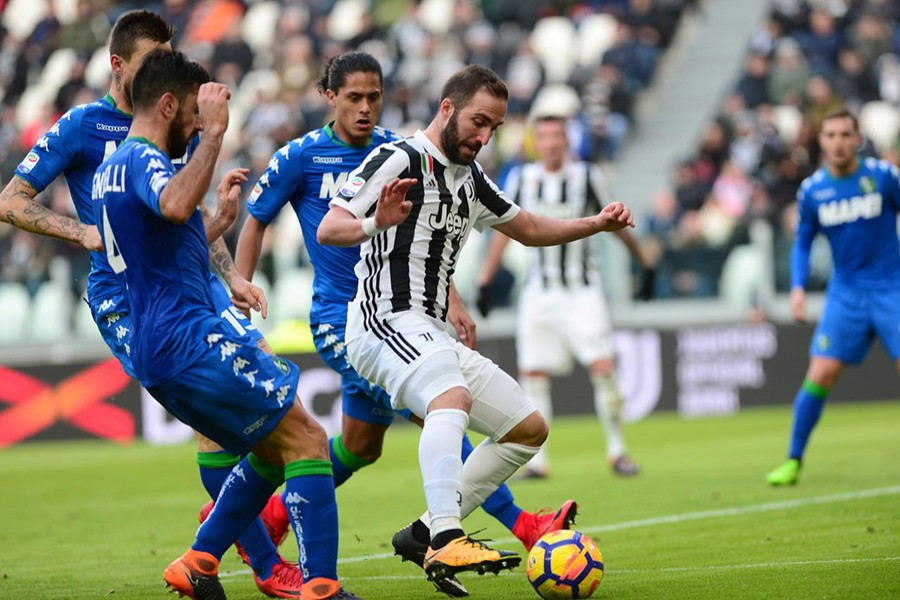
pixel 361 400
pixel 114 321
pixel 852 318
pixel 234 393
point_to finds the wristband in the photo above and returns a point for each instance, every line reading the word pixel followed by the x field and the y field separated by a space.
pixel 370 228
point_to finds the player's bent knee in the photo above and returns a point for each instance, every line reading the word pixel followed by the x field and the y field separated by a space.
pixel 530 431
pixel 204 444
pixel 299 436
pixel 457 398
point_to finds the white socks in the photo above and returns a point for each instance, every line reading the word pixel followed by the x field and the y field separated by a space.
pixel 489 465
pixel 608 402
pixel 537 389
pixel 440 447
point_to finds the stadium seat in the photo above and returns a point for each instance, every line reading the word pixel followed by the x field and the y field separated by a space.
pixel 16 304
pixel 21 16
pixel 58 69
pixel 880 122
pixel 596 33
pixel 97 73
pixel 555 100
pixel 35 99
pixel 436 16
pixel 346 19
pixel 292 295
pixel 742 275
pixel 50 312
pixel 554 41
pixel 788 120
pixel 259 24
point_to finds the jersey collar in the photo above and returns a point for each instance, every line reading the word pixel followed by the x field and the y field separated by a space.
pixel 334 138
pixel 141 140
pixel 112 102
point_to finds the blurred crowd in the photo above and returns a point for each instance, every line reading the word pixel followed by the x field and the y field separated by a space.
pixel 809 58
pixel 604 52
pixel 590 58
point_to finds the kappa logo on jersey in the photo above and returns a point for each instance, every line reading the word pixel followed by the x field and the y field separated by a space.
pixel 327 160
pixel 158 181
pixel 111 128
pixel 453 224
pixel 29 162
pixel 353 186
pixel 43 143
pixel 155 165
pixel 274 165
pixel 848 210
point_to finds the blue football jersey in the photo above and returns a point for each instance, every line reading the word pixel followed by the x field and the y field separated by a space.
pixel 858 216
pixel 76 144
pixel 74 147
pixel 306 173
pixel 163 267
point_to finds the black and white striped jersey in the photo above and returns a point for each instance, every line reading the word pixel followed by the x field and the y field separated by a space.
pixel 577 190
pixel 408 267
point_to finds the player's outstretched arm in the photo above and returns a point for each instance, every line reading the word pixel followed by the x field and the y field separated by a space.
pixel 340 227
pixel 535 230
pixel 228 193
pixel 180 198
pixel 19 208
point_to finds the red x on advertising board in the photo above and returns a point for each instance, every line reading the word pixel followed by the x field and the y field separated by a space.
pixel 79 400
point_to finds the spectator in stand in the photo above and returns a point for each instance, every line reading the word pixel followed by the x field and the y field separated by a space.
pixel 820 100
pixel 853 79
pixel 753 84
pixel 821 42
pixel 788 74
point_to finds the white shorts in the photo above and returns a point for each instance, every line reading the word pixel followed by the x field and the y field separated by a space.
pixel 555 326
pixel 418 361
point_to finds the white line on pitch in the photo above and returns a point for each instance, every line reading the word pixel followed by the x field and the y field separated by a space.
pixel 735 567
pixel 692 516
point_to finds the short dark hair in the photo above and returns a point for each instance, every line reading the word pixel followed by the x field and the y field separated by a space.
pixel 338 67
pixel 465 83
pixel 842 113
pixel 138 25
pixel 164 71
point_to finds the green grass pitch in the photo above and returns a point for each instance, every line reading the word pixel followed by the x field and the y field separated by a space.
pixel 94 520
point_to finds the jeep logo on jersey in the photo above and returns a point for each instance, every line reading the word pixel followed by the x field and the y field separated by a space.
pixel 453 224
pixel 848 210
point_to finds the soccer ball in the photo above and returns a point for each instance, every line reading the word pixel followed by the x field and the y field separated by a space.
pixel 565 564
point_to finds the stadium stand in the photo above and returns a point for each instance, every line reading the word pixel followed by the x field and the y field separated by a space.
pixel 594 60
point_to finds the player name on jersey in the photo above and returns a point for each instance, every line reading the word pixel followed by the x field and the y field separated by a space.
pixel 848 210
pixel 110 179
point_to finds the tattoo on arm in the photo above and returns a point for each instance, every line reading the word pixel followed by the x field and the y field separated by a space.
pixel 24 212
pixel 221 259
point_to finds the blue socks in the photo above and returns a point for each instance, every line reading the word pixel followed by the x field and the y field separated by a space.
pixel 214 469
pixel 500 504
pixel 243 495
pixel 344 462
pixel 311 508
pixel 808 405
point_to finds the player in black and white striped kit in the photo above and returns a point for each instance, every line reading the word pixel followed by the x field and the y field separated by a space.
pixel 562 309
pixel 411 205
